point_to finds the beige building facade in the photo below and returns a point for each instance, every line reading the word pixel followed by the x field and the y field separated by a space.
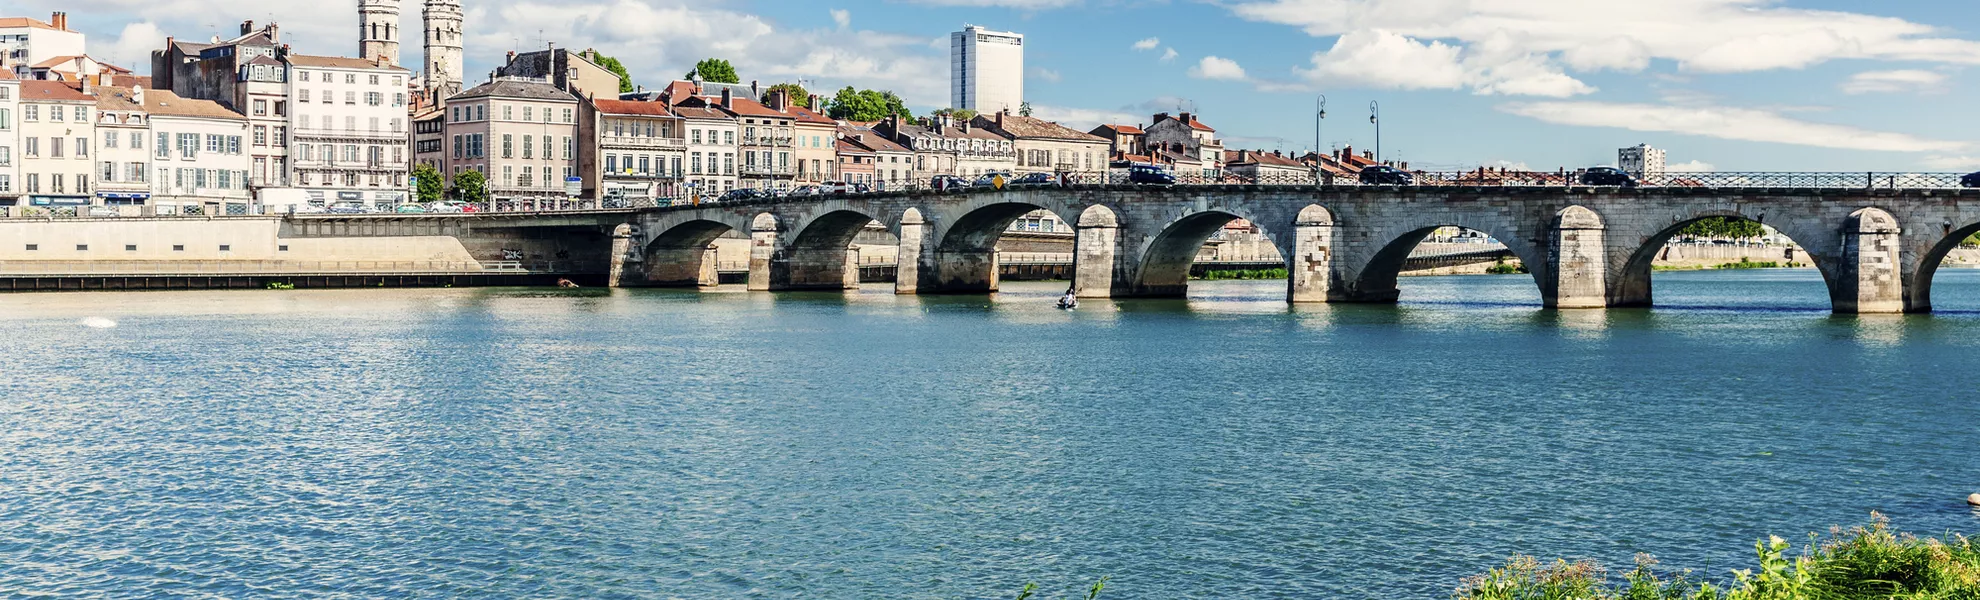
pixel 520 133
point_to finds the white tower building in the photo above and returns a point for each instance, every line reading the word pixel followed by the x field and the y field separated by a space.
pixel 1641 160
pixel 986 70
pixel 445 64
pixel 378 30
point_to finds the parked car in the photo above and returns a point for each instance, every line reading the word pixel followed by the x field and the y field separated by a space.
pixel 804 192
pixel 1033 180
pixel 102 211
pixel 306 209
pixel 446 207
pixel 739 195
pixel 947 183
pixel 1971 180
pixel 1386 175
pixel 835 187
pixel 989 179
pixel 410 209
pixel 1607 176
pixel 1150 175
pixel 348 207
pixel 862 188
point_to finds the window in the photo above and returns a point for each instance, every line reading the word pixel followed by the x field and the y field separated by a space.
pixel 6 117
pixel 529 141
pixel 55 183
pixel 508 112
pixel 694 162
pixel 108 170
pixel 611 163
pixel 528 113
pixel 82 114
pixel 695 134
pixel 130 247
pixel 6 156
pixel 226 179
pixel 55 114
pixel 33 147
pixel 34 183
pixel 729 137
pixel 261 108
pixel 134 172
pixel 567 116
pixel 570 148
pixel 374 124
pixel 398 100
pixel 350 78
pixel 178 247
pixel 302 95
pixel 302 75
pixel 33 247
pixel 213 143
pixel 164 145
pixel 82 147
pixel 374 99
pixel 30 113
pixel 199 178
pixel 281 136
pixel 226 247
pixel 508 145
pixel 261 135
pixel 480 112
pixel 350 97
pixel 457 146
pixel 374 80
pixel 109 139
pixel 55 147
pixel 82 247
pixel 281 108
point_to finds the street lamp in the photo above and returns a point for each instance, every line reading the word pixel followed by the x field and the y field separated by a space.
pixel 1375 116
pixel 1319 113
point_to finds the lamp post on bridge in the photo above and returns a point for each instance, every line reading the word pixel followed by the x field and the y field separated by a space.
pixel 1319 113
pixel 1375 116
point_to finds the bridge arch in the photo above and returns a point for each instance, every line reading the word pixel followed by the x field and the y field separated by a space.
pixel 1919 297
pixel 1631 285
pixel 683 255
pixel 1374 278
pixel 964 257
pixel 1163 270
pixel 820 255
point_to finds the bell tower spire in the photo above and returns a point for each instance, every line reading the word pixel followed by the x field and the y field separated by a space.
pixel 378 30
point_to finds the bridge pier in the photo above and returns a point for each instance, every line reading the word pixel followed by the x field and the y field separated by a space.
pixel 907 261
pixel 623 257
pixel 1310 269
pixel 1576 273
pixel 711 274
pixel 1096 246
pixel 1868 281
pixel 763 252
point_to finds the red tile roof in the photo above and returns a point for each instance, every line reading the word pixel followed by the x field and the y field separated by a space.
pixel 806 115
pixel 627 107
pixel 1125 129
pixel 33 90
pixel 745 107
pixel 12 22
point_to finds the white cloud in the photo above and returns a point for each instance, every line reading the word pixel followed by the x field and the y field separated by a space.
pixel 843 17
pixel 132 50
pixel 1046 74
pixel 1212 67
pixel 1522 46
pixel 1726 123
pixel 1953 163
pixel 1168 54
pixel 1148 44
pixel 1017 4
pixel 1389 60
pixel 1082 119
pixel 1874 82
pixel 1691 166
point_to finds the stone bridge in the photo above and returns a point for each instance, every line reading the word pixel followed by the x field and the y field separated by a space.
pixel 1585 247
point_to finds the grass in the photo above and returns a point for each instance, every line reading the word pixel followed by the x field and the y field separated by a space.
pixel 1244 274
pixel 1861 563
pixel 1505 268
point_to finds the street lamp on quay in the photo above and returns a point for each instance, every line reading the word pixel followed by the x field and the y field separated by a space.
pixel 1375 116
pixel 1319 113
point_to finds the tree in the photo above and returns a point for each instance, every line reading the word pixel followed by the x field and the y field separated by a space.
pixel 470 186
pixel 866 105
pixel 617 68
pixel 714 70
pixel 1024 109
pixel 795 92
pixel 1724 227
pixel 428 182
pixel 961 114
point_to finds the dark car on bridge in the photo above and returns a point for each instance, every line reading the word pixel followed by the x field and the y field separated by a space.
pixel 1386 175
pixel 947 183
pixel 1607 176
pixel 740 195
pixel 1150 175
pixel 1971 180
pixel 1033 180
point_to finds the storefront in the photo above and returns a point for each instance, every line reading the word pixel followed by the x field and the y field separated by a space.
pixel 124 198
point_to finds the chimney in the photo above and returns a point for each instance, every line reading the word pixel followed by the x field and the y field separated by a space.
pixel 511 59
pixel 247 27
pixel 137 95
pixel 1000 117
pixel 728 97
pixel 274 32
pixel 1184 117
pixel 965 127
pixel 815 104
pixel 779 99
pixel 754 92
pixel 60 20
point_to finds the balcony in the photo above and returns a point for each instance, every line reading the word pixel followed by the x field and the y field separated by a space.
pixel 341 133
pixel 641 175
pixel 765 171
pixel 642 143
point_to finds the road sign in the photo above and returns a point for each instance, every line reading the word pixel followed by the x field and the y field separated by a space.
pixel 573 186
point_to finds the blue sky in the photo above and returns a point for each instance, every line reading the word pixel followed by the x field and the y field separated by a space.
pixel 1721 84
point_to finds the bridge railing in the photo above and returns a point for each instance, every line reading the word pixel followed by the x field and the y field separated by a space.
pixel 286 267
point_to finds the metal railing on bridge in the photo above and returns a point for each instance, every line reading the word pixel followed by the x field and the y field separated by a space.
pixel 163 268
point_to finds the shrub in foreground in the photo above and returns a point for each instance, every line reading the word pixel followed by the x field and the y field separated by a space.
pixel 1860 563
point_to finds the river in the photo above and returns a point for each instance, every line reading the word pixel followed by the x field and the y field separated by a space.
pixel 674 444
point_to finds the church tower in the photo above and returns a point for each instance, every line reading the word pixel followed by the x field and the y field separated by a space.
pixel 444 60
pixel 378 30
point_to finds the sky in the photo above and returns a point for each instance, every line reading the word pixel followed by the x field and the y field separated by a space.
pixel 1726 85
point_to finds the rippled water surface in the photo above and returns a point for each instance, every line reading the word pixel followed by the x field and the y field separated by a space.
pixel 669 444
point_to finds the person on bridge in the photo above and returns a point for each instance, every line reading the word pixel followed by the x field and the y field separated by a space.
pixel 1069 301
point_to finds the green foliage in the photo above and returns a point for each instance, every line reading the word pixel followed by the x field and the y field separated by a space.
pixel 961 114
pixel 1861 563
pixel 1030 590
pixel 1724 227
pixel 866 105
pixel 797 93
pixel 280 285
pixel 1223 274
pixel 714 70
pixel 429 183
pixel 617 68
pixel 470 186
pixel 1749 264
pixel 1504 268
pixel 1024 109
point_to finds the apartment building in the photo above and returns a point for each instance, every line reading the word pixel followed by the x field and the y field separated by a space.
pixel 26 41
pixel 521 133
pixel 633 150
pixel 986 69
pixel 711 147
pixel 1191 143
pixel 56 128
pixel 765 140
pixel 893 164
pixel 430 139
pixel 348 129
pixel 249 74
pixel 199 154
pixel 1045 146
pixel 123 160
pixel 943 146
pixel 815 142
pixel 10 139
